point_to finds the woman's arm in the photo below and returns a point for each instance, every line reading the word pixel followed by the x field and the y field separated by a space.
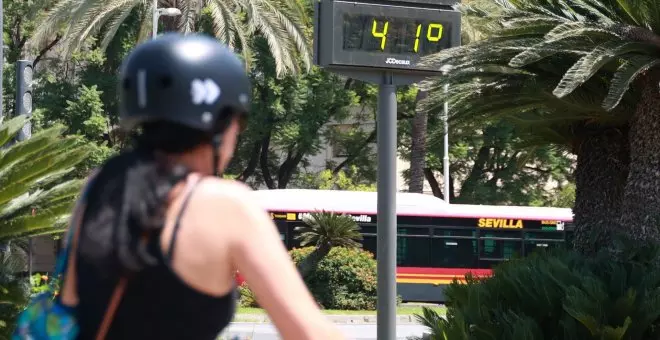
pixel 261 257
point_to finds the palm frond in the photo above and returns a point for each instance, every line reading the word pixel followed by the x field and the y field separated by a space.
pixel 10 128
pixel 625 75
pixel 228 29
pixel 30 203
pixel 588 65
pixel 329 228
pixel 113 24
pixel 281 22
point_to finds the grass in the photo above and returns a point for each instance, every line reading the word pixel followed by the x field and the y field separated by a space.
pixel 403 310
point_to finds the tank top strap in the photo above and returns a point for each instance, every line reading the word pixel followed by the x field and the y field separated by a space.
pixel 177 222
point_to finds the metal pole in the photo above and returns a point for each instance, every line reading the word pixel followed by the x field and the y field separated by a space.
pixel 386 248
pixel 154 18
pixel 30 258
pixel 445 159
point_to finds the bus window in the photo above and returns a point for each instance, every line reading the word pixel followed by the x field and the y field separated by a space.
pixel 367 228
pixel 412 251
pixel 544 235
pixel 369 243
pixel 454 248
pixel 413 231
pixel 499 246
pixel 282 229
pixel 535 240
pixel 570 229
pixel 461 232
pixel 293 242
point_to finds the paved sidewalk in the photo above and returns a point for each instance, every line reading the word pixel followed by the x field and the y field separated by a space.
pixel 263 331
pixel 337 319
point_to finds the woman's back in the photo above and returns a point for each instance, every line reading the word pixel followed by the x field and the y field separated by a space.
pixel 140 214
pixel 157 302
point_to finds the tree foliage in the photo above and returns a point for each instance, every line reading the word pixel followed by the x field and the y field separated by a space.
pixel 561 73
pixel 234 22
pixel 492 165
pixel 288 121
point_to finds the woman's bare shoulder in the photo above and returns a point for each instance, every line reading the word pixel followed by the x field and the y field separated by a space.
pixel 227 196
pixel 224 187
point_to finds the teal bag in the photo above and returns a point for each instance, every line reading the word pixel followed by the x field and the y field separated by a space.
pixel 46 317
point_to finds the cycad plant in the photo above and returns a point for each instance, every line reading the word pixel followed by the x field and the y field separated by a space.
pixel 280 22
pixel 557 295
pixel 563 70
pixel 14 290
pixel 35 198
pixel 325 230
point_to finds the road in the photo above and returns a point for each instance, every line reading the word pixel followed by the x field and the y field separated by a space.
pixel 264 331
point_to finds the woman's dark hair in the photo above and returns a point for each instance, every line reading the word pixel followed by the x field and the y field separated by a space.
pixel 128 197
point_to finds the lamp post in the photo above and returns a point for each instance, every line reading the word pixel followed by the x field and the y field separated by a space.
pixel 158 12
pixel 445 118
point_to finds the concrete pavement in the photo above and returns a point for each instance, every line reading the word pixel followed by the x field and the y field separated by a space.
pixel 338 319
pixel 265 331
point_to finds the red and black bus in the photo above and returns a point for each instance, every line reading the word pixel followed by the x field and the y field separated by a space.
pixel 436 241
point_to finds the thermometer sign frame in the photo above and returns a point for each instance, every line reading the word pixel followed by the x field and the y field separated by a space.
pixel 388 36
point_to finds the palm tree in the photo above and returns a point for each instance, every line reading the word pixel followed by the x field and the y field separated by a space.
pixel 281 22
pixel 34 199
pixel 418 134
pixel 562 70
pixel 325 230
pixel 418 127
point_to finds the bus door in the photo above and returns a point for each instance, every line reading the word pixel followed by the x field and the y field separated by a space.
pixel 497 245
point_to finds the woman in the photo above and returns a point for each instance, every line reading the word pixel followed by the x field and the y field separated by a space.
pixel 156 222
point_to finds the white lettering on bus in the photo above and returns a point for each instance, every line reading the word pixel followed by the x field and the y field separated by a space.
pixel 356 218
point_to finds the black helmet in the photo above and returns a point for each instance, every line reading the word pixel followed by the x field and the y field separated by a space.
pixel 185 79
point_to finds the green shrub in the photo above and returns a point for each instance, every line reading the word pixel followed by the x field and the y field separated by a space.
pixel 344 279
pixel 560 295
pixel 246 296
pixel 40 283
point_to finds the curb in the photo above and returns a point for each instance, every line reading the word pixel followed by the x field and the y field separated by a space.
pixel 337 319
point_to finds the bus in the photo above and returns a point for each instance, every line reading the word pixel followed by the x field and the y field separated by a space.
pixel 437 242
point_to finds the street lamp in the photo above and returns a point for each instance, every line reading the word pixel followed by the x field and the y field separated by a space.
pixel 445 117
pixel 158 12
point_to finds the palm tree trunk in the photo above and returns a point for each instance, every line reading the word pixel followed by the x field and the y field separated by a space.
pixel 640 220
pixel 418 148
pixel 309 263
pixel 600 176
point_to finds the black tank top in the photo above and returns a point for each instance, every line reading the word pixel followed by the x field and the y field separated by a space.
pixel 157 304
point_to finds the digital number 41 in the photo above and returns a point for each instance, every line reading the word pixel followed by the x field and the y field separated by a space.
pixel 433 33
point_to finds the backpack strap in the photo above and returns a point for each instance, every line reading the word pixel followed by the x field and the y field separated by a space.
pixel 109 315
